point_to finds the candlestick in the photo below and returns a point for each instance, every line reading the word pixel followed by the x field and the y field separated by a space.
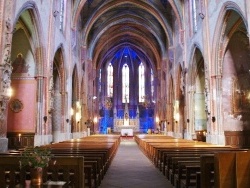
pixel 19 137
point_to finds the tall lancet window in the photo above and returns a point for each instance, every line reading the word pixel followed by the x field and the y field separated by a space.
pixel 125 83
pixel 141 83
pixel 100 81
pixel 110 80
pixel 152 84
pixel 194 11
pixel 62 14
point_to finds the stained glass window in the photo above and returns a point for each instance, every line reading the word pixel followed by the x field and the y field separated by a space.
pixel 110 80
pixel 194 8
pixel 100 81
pixel 125 83
pixel 62 12
pixel 152 84
pixel 141 83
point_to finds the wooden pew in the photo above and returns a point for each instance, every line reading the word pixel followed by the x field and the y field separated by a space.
pixel 205 178
pixel 93 163
pixel 166 164
pixel 243 169
pixel 98 152
pixel 201 172
pixel 178 170
pixel 225 170
pixel 187 173
pixel 232 169
pixel 68 169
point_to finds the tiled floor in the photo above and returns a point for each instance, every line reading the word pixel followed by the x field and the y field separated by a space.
pixel 132 169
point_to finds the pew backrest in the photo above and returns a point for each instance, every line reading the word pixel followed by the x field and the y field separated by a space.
pixel 68 169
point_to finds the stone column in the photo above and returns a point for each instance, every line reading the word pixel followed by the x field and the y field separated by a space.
pixel 3 123
pixel 5 68
pixel 5 71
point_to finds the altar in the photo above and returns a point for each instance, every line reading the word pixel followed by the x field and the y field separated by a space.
pixel 127 132
pixel 119 125
pixel 126 124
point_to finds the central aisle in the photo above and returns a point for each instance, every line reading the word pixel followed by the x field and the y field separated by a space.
pixel 132 169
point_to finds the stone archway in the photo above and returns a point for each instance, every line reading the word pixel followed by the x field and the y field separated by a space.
pixel 57 99
pixel 198 116
pixel 236 90
pixel 76 107
pixel 170 115
pixel 24 120
pixel 231 112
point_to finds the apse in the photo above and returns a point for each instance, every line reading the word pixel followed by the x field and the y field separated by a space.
pixel 125 83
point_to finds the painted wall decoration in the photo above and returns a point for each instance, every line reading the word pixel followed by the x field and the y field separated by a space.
pixel 16 105
pixel 19 65
pixel 24 120
pixel 241 97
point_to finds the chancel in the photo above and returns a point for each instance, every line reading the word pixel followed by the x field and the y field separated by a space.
pixel 111 87
pixel 127 125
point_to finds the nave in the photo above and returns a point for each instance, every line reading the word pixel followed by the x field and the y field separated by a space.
pixel 146 160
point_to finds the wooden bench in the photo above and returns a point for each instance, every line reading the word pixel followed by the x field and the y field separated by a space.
pixel 206 176
pixel 94 166
pixel 187 173
pixel 98 152
pixel 225 170
pixel 68 169
pixel 176 168
pixel 193 163
pixel 243 169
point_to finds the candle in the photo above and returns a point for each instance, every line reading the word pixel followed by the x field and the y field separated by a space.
pixel 19 137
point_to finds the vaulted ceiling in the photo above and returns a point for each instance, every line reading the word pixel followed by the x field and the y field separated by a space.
pixel 145 26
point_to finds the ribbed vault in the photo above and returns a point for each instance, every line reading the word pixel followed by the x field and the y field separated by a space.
pixel 145 26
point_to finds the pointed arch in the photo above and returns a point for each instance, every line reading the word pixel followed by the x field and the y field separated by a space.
pixel 27 40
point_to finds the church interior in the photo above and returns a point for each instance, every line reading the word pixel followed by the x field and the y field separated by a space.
pixel 102 71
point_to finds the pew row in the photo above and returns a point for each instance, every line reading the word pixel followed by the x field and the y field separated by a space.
pixel 67 169
pixel 196 164
pixel 97 151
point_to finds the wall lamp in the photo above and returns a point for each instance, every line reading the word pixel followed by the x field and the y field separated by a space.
pixel 202 16
pixel 55 13
pixel 45 119
pixel 213 119
pixel 188 120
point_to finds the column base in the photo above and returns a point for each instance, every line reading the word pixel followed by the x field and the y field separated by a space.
pixel 3 144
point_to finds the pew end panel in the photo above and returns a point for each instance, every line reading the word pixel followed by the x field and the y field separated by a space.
pixel 243 169
pixel 225 170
